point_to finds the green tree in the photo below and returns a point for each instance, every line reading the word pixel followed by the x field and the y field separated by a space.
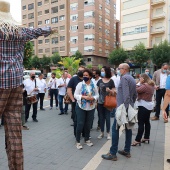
pixel 78 55
pixel 160 53
pixel 117 56
pixel 45 62
pixel 35 62
pixel 89 66
pixel 55 58
pixel 28 52
pixel 99 66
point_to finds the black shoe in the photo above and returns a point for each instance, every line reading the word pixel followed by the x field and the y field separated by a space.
pixel 61 113
pixel 35 120
pixel 42 109
pixel 72 124
pixel 122 152
pixel 109 156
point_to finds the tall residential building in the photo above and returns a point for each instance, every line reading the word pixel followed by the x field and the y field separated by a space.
pixel 87 25
pixel 145 21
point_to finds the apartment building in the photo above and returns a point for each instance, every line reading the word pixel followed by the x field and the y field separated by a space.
pixel 87 25
pixel 145 21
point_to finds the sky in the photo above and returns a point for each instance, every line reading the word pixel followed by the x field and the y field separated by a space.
pixel 16 9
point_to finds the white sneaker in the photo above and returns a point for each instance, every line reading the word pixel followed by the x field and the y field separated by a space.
pixel 108 137
pixel 88 143
pixel 79 146
pixel 100 136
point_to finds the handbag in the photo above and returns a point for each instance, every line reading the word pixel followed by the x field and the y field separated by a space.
pixel 110 101
pixel 67 99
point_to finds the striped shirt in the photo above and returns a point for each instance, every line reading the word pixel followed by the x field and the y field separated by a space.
pixel 12 54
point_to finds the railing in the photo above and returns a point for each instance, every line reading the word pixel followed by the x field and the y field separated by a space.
pixel 158 29
pixel 154 16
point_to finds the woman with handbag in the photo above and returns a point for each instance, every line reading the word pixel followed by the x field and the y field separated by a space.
pixel 145 91
pixel 86 94
pixel 106 87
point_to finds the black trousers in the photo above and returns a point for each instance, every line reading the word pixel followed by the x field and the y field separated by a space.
pixel 27 111
pixel 159 95
pixel 53 92
pixel 41 97
pixel 143 123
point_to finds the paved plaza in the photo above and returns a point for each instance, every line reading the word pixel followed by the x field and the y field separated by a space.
pixel 50 145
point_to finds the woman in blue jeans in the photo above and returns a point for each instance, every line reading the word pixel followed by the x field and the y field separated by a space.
pixel 106 86
pixel 86 94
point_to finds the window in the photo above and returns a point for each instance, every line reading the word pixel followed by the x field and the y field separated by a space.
pixel 107 22
pixel 114 7
pixel 62 27
pixel 24 16
pixel 89 2
pixel 100 50
pixel 54 1
pixel 31 25
pixel 54 50
pixel 54 9
pixel 89 14
pixel 74 28
pixel 107 42
pixel 62 6
pixel 100 18
pixel 73 50
pixel 107 32
pixel 40 3
pixel 62 48
pixel 62 17
pixel 30 6
pixel 89 26
pixel 39 22
pixel 40 41
pixel 62 38
pixel 158 40
pixel 100 7
pixel 107 11
pixel 24 7
pixel 39 13
pixel 107 2
pixel 89 48
pixel 47 21
pixel 74 39
pixel 47 50
pixel 74 17
pixel 46 11
pixel 100 29
pixel 89 59
pixel 31 15
pixel 134 30
pixel 89 37
pixel 54 20
pixel 74 6
pixel 54 40
pixel 47 41
pixel 46 1
pixel 40 51
pixel 100 40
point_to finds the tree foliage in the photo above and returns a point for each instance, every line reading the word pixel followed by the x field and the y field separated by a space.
pixel 45 61
pixel 117 56
pixel 55 58
pixel 160 53
pixel 28 52
pixel 78 55
pixel 35 62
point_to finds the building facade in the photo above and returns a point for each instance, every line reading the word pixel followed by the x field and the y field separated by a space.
pixel 145 21
pixel 88 26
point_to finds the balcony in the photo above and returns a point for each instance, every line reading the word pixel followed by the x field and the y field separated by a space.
pixel 159 30
pixel 157 2
pixel 158 16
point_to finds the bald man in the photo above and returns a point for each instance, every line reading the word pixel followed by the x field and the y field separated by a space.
pixel 126 94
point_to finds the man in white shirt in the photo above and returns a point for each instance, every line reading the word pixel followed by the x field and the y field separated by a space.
pixel 115 78
pixel 43 86
pixel 62 86
pixel 53 85
pixel 32 89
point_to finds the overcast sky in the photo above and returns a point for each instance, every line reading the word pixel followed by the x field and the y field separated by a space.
pixel 16 9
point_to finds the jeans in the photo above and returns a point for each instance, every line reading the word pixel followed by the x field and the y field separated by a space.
pixel 160 93
pixel 27 110
pixel 41 97
pixel 84 120
pixel 112 113
pixel 53 92
pixel 115 139
pixel 61 104
pixel 104 116
pixel 143 123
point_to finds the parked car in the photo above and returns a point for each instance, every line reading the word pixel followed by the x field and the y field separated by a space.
pixel 27 73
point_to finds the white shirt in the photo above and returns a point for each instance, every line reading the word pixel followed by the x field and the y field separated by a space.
pixel 163 78
pixel 30 86
pixel 146 104
pixel 42 84
pixel 78 95
pixel 53 83
pixel 62 90
pixel 116 81
pixel 95 81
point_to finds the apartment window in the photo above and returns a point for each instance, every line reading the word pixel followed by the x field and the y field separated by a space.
pixel 47 41
pixel 107 11
pixel 89 26
pixel 31 16
pixel 40 3
pixel 100 40
pixel 89 37
pixel 62 48
pixel 55 40
pixel 100 7
pixel 47 50
pixel 74 17
pixel 134 30
pixel 40 50
pixel 54 9
pixel 107 42
pixel 107 22
pixel 24 7
pixel 39 13
pixel 47 11
pixel 24 16
pixel 115 26
pixel 100 18
pixel 62 17
pixel 54 1
pixel 47 21
pixel 54 20
pixel 107 2
pixel 39 22
pixel 62 6
pixel 46 1
pixel 62 38
pixel 40 41
pixel 73 50
pixel 30 6
pixel 89 48
pixel 158 40
pixel 74 28
pixel 114 6
pixel 54 50
pixel 74 6
pixel 62 27
pixel 89 14
pixel 31 25
pixel 88 2
pixel 100 50
pixel 107 32
pixel 74 39
pixel 100 29
pixel 159 11
pixel 89 59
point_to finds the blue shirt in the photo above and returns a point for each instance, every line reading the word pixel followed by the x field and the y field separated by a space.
pixel 167 87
